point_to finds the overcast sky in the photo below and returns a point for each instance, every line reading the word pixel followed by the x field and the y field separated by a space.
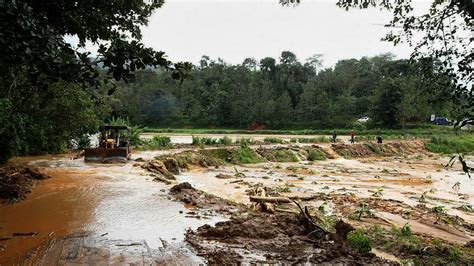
pixel 236 29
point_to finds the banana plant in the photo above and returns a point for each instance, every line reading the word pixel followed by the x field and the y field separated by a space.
pixel 462 159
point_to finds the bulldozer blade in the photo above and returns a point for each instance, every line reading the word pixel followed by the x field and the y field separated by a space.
pixel 102 155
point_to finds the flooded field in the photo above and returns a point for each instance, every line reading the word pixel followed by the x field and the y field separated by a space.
pixel 95 213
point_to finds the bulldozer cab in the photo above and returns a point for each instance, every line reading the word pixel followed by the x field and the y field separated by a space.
pixel 113 136
pixel 114 145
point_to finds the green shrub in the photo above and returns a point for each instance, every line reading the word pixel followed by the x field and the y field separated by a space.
pixel 273 140
pixel 316 155
pixel 160 142
pixel 320 139
pixel 246 155
pixel 225 141
pixel 406 230
pixel 285 156
pixel 83 142
pixel 215 153
pixel 451 144
pixel 359 241
pixel 199 141
pixel 245 142
pixel 454 254
pixel 136 131
pixel 358 126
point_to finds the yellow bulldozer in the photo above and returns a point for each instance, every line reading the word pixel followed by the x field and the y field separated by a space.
pixel 114 145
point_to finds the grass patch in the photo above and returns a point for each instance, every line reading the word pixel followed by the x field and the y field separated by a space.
pixel 273 140
pixel 200 141
pixel 451 144
pixel 412 248
pixel 359 240
pixel 285 156
pixel 246 155
pixel 226 141
pixel 188 159
pixel 320 139
pixel 316 155
pixel 157 142
pixel 279 155
pixel 220 154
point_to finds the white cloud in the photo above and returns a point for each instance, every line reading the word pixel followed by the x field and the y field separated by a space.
pixel 234 30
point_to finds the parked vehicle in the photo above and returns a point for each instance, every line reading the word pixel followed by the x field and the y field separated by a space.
pixel 113 147
pixel 364 119
pixel 442 121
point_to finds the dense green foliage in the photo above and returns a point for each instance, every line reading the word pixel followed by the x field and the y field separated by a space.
pixel 35 121
pixel 51 91
pixel 443 32
pixel 287 93
pixel 451 144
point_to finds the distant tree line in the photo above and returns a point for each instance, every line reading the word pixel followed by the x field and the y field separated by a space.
pixel 286 92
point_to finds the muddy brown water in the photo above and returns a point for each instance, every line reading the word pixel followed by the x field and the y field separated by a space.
pixel 112 206
pixel 117 214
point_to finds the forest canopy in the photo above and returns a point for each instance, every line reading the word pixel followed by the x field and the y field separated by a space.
pixel 285 92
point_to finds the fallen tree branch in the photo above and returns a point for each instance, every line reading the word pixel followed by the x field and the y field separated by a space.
pixel 309 219
pixel 270 199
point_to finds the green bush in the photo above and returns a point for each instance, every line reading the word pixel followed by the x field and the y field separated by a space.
pixel 198 141
pixel 359 241
pixel 159 142
pixel 316 155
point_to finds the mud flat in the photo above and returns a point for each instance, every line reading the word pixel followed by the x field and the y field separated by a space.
pixel 191 206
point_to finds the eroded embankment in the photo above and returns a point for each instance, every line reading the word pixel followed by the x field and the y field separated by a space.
pixel 255 237
pixel 302 233
pixel 165 166
pixel 16 182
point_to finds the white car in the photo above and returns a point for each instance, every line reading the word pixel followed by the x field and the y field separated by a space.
pixel 364 119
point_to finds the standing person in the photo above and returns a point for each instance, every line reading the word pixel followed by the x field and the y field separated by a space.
pixel 353 134
pixel 334 136
pixel 379 139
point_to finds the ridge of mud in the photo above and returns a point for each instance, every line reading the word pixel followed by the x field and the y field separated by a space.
pixel 368 149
